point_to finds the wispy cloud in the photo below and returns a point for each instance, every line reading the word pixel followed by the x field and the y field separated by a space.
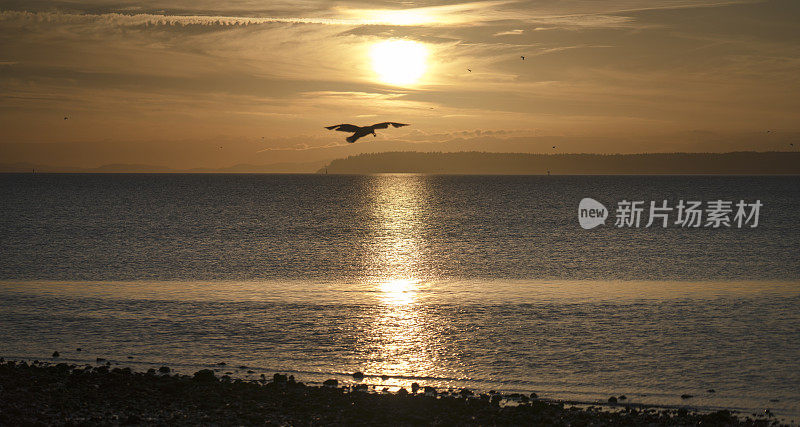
pixel 460 14
pixel 566 12
pixel 304 146
pixel 509 33
pixel 351 95
pixel 137 19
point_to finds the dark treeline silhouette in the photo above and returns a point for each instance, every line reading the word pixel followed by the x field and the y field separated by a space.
pixel 736 163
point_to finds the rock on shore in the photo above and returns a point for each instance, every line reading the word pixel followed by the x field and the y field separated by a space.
pixel 41 394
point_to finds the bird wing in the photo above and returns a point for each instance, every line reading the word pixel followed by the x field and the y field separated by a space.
pixel 343 128
pixel 353 138
pixel 385 125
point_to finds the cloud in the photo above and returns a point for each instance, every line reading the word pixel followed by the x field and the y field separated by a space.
pixel 303 143
pixel 564 14
pixel 509 33
pixel 247 68
pixel 123 19
pixel 351 95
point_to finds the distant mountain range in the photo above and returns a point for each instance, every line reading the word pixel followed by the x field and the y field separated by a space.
pixel 137 168
pixel 735 163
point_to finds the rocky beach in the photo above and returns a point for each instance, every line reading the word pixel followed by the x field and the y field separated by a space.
pixel 43 393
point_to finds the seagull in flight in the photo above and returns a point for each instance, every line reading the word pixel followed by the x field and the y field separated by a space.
pixel 359 131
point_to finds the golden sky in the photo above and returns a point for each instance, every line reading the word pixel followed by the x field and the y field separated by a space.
pixel 200 83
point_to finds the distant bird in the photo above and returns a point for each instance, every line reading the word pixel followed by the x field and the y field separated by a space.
pixel 66 118
pixel 359 131
pixel 469 69
pixel 554 146
pixel 523 57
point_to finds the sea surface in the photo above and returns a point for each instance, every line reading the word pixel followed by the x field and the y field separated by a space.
pixel 486 282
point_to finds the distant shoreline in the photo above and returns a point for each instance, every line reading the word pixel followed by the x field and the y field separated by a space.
pixel 481 163
pixel 411 173
pixel 56 394
pixel 747 163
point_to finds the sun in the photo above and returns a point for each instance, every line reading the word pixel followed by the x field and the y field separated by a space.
pixel 399 62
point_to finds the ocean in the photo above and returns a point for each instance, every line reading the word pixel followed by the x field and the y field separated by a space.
pixel 485 282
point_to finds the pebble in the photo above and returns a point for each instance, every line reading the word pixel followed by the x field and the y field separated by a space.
pixel 210 400
pixel 204 375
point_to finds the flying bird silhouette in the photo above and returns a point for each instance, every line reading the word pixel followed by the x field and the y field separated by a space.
pixel 359 131
pixel 523 58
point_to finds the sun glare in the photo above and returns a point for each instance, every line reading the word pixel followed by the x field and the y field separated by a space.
pixel 399 62
pixel 398 291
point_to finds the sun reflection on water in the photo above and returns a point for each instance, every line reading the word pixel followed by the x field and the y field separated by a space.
pixel 400 210
pixel 398 292
pixel 402 338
